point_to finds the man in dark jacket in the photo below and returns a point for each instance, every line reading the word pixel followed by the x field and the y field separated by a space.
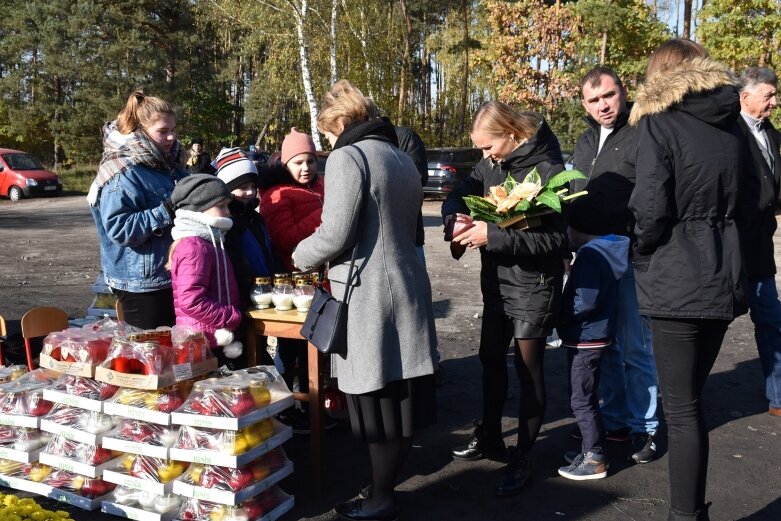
pixel 605 153
pixel 411 144
pixel 200 161
pixel 756 218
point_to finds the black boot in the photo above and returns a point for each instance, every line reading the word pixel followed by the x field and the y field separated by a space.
pixel 699 515
pixel 517 474
pixel 481 445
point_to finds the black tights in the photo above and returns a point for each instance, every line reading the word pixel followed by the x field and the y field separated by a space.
pixel 495 337
pixel 387 459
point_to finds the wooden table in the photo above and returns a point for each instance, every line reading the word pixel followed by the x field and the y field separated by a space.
pixel 287 324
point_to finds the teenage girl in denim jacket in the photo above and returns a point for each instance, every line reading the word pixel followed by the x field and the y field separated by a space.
pixel 129 203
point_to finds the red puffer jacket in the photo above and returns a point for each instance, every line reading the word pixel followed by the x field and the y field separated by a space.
pixel 292 213
pixel 206 296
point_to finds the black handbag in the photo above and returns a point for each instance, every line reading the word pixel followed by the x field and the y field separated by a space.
pixel 325 326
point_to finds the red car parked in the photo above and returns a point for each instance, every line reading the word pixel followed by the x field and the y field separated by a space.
pixel 21 175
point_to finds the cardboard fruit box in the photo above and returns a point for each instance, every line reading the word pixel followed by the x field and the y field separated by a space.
pixel 117 509
pixel 73 368
pixel 153 382
pixel 226 497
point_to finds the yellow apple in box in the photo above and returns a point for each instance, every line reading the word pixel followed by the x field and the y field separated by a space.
pixel 170 470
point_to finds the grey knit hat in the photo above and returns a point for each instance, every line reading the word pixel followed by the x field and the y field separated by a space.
pixel 199 192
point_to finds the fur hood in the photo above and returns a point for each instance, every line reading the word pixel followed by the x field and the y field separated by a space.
pixel 670 87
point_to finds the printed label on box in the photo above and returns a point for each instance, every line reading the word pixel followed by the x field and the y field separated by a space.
pixel 183 372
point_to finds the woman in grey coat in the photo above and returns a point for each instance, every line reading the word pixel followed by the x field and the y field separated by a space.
pixel 373 197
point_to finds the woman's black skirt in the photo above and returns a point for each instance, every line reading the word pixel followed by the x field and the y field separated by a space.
pixel 394 411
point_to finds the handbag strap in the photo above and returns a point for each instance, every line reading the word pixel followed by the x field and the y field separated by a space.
pixel 349 282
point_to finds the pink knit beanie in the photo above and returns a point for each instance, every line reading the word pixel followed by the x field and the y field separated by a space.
pixel 296 143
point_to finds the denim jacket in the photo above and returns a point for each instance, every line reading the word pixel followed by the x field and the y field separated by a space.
pixel 134 228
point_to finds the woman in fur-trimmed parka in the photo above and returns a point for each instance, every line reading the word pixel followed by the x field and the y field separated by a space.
pixel 687 255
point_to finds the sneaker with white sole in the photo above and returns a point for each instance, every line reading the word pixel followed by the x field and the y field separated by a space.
pixel 644 448
pixel 585 466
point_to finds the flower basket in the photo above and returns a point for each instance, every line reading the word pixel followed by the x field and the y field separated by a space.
pixel 522 205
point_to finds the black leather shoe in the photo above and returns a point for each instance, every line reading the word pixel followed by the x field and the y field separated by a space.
pixel 479 447
pixel 517 475
pixel 354 510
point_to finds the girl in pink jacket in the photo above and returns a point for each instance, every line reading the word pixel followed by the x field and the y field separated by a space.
pixel 206 296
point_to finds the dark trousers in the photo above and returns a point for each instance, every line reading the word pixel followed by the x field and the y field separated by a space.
pixel 584 381
pixel 294 357
pixel 685 351
pixel 148 310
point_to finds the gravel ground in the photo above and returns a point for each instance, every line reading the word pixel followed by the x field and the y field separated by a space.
pixel 50 257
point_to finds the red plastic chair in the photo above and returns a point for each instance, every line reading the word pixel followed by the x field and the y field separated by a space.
pixel 40 322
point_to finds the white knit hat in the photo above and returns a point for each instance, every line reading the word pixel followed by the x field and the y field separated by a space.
pixel 235 168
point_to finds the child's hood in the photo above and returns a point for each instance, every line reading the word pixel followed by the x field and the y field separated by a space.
pixel 615 249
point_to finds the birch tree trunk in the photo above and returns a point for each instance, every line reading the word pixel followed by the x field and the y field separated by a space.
pixel 603 50
pixel 306 75
pixel 334 75
pixel 404 62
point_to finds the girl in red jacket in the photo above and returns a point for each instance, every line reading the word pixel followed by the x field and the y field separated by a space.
pixel 206 296
pixel 291 200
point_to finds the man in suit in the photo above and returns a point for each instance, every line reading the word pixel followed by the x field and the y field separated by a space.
pixel 757 221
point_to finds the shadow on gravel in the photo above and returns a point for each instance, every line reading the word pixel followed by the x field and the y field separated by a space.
pixel 771 512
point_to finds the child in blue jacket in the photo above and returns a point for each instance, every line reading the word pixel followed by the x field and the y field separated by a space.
pixel 588 323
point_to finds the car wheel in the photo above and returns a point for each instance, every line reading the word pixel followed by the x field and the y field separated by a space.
pixel 15 193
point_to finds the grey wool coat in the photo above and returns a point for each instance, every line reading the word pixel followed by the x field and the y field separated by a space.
pixel 390 321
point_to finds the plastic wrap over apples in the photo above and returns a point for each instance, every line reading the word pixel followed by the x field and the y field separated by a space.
pixel 233 396
pixel 30 471
pixel 147 433
pixel 80 419
pixel 10 373
pixel 81 452
pixel 11 468
pixel 84 387
pixel 234 480
pixel 153 352
pixel 145 500
pixel 164 400
pixel 151 469
pixel 228 442
pixel 251 510
pixel 22 438
pixel 90 488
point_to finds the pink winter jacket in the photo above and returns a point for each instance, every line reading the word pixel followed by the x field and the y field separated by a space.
pixel 206 296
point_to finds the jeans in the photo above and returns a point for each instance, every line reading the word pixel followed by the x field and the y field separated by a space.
pixel 766 314
pixel 584 380
pixel 685 350
pixel 628 385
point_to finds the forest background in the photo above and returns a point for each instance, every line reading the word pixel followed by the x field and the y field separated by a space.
pixel 243 72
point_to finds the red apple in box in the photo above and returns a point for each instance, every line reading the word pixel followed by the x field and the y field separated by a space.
pixel 98 456
pixel 93 488
pixel 169 401
pixel 107 390
pixel 241 401
pixel 36 405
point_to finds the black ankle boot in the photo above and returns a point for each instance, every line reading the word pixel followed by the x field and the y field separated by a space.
pixel 481 445
pixel 699 515
pixel 517 474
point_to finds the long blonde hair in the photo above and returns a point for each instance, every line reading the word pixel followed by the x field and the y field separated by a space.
pixel 141 112
pixel 343 105
pixel 498 119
